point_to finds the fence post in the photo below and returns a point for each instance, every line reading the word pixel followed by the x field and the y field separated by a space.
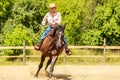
pixel 104 50
pixel 64 58
pixel 24 54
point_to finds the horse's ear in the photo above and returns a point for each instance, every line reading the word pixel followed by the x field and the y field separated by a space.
pixel 56 26
pixel 64 26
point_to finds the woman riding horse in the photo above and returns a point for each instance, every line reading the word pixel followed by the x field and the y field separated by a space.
pixel 52 46
pixel 52 18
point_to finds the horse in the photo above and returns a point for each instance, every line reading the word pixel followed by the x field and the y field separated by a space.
pixel 52 46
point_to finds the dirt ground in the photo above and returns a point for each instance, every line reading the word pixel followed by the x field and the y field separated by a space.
pixel 62 72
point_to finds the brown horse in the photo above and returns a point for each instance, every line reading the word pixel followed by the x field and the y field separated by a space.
pixel 52 46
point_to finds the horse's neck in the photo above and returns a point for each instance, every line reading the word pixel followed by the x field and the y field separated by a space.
pixel 47 42
pixel 52 33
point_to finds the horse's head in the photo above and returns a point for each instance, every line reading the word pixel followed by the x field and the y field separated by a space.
pixel 59 35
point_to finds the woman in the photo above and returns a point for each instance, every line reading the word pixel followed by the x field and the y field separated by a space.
pixel 51 18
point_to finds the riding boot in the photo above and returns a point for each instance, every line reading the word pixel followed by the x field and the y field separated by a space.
pixel 67 51
pixel 38 46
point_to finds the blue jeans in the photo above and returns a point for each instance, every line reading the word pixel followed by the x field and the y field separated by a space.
pixel 47 31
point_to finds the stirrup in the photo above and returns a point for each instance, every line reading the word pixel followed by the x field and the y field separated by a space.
pixel 37 48
pixel 68 52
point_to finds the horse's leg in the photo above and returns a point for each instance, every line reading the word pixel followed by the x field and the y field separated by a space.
pixel 40 65
pixel 48 63
pixel 52 65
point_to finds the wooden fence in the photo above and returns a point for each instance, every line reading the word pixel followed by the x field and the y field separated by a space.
pixel 24 48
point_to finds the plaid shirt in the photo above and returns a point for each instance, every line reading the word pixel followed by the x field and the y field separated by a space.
pixel 52 18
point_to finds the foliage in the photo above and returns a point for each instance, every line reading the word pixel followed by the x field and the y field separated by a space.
pixel 16 38
pixel 19 34
pixel 91 37
pixel 23 24
pixel 107 20
pixel 5 11
pixel 88 21
pixel 29 13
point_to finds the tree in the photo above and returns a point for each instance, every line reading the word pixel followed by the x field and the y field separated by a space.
pixel 16 38
pixel 5 11
pixel 29 13
pixel 24 24
pixel 107 20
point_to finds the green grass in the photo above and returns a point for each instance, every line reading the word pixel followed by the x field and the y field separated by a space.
pixel 3 61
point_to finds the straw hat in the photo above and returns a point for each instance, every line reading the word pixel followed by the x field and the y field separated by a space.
pixel 52 5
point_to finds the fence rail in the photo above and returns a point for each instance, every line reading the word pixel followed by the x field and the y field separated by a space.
pixel 79 47
pixel 24 48
pixel 73 47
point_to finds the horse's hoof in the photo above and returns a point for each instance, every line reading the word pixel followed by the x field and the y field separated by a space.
pixel 50 76
pixel 36 76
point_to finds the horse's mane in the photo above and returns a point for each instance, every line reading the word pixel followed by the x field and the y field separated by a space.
pixel 56 28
